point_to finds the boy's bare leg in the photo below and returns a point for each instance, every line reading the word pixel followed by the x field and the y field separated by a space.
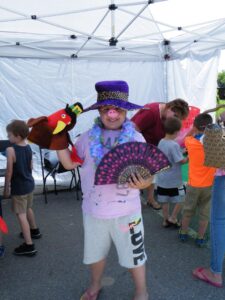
pixel 139 278
pixel 176 210
pixel 185 223
pixel 25 227
pixel 150 197
pixel 97 270
pixel 202 228
pixel 31 218
pixel 165 210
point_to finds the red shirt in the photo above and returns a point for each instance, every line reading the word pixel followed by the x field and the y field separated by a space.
pixel 149 123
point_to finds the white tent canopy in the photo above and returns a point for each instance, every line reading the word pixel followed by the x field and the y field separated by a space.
pixel 52 52
pixel 100 29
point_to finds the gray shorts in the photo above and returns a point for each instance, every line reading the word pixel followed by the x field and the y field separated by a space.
pixel 127 234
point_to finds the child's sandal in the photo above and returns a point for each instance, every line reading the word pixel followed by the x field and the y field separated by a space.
pixel 166 224
pixel 90 296
pixel 174 224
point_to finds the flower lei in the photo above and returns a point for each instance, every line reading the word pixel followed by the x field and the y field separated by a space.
pixel 96 141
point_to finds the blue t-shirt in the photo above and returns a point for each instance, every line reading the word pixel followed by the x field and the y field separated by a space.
pixel 171 178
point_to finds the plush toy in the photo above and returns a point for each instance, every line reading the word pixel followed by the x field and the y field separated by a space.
pixel 52 132
pixel 3 226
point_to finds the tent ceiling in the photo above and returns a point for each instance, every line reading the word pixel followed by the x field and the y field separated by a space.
pixel 91 30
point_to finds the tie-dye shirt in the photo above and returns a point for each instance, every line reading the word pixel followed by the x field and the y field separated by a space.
pixel 105 201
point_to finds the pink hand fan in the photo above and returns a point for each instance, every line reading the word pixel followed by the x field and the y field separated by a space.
pixel 132 157
pixel 3 226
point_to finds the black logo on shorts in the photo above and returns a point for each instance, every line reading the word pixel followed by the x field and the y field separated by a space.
pixel 138 243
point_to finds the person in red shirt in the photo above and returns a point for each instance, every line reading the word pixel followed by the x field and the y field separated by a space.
pixel 150 123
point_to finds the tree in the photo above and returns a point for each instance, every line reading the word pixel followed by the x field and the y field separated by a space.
pixel 221 85
pixel 221 79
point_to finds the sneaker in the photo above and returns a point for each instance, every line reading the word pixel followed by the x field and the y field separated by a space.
pixel 35 234
pixel 183 235
pixel 201 242
pixel 24 249
pixel 2 251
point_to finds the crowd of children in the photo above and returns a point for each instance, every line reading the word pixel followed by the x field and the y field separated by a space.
pixel 100 223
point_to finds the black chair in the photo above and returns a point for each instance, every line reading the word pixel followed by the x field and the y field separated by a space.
pixel 54 168
pixel 4 144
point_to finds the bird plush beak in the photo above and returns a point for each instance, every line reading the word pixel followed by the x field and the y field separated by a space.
pixel 59 127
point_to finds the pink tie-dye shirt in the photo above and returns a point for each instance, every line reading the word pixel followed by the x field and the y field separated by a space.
pixel 105 201
pixel 220 172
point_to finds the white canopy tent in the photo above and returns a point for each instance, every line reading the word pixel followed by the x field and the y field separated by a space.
pixel 52 52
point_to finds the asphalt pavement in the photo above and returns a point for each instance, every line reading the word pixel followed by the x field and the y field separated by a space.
pixel 57 271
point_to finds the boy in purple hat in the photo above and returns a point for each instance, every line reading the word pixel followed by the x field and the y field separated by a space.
pixel 110 213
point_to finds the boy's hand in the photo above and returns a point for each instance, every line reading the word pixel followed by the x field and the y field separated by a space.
pixel 138 182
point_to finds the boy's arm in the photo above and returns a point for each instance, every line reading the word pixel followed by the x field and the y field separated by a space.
pixel 184 160
pixel 192 131
pixel 9 171
pixel 64 157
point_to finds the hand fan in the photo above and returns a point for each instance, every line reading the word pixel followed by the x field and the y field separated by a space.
pixel 3 226
pixel 132 157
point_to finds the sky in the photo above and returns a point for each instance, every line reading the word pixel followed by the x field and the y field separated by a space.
pixel 188 12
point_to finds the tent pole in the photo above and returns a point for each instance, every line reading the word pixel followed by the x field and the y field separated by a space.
pixel 132 20
pixel 98 25
pixel 113 25
pixel 165 80
pixel 166 59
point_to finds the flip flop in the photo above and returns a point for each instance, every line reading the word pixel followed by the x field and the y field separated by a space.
pixel 154 207
pixel 166 224
pixel 198 273
pixel 90 296
pixel 175 225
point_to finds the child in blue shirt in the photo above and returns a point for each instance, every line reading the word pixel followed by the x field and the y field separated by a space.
pixel 170 188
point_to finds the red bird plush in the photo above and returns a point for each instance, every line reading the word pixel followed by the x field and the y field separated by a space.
pixel 3 226
pixel 52 132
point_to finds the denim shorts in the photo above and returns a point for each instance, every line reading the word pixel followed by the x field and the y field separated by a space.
pixel 171 195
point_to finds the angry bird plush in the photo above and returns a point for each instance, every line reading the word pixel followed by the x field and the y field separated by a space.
pixel 52 132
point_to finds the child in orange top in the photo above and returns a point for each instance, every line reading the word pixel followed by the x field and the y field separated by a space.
pixel 200 180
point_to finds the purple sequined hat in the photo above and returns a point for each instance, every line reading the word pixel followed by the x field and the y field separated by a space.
pixel 113 93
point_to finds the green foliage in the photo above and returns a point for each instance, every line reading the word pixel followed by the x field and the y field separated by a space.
pixel 221 79
pixel 220 92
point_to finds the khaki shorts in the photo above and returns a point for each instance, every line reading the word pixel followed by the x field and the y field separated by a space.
pixel 127 234
pixel 21 203
pixel 197 198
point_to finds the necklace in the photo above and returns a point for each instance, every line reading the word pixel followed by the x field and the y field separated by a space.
pixel 107 144
pixel 96 140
